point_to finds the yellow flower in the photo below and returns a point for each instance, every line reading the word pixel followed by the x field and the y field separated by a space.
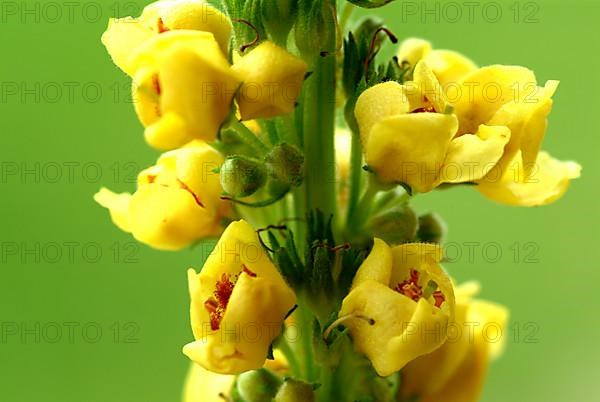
pixel 509 96
pixel 183 87
pixel 238 304
pixel 409 135
pixel 177 201
pixel 124 35
pixel 273 80
pixel 456 371
pixel 400 304
pixel 343 149
pixel 448 66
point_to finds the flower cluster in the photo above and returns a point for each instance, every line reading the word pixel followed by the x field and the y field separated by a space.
pixel 324 284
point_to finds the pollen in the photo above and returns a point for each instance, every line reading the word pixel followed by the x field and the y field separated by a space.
pixel 218 302
pixel 410 287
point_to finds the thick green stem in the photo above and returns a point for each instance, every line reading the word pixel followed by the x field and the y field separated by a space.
pixel 356 172
pixel 319 115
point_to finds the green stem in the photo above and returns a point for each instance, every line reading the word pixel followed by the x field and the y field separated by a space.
pixel 319 115
pixel 290 355
pixel 356 171
pixel 363 208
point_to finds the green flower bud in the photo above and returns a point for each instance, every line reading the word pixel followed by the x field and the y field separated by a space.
pixel 432 228
pixel 241 176
pixel 396 226
pixel 286 165
pixel 279 17
pixel 316 26
pixel 370 3
pixel 295 391
pixel 257 386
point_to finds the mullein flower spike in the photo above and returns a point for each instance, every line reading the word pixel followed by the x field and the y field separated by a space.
pixel 324 284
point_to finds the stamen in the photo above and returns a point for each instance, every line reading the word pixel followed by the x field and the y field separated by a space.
pixel 341 320
pixel 256 39
pixel 217 304
pixel 372 50
pixel 162 28
pixel 410 287
pixel 247 271
pixel 439 298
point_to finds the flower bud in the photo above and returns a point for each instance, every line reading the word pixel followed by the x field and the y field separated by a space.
pixel 314 28
pixel 257 386
pixel 432 228
pixel 286 165
pixel 295 391
pixel 241 176
pixel 395 226
pixel 370 3
pixel 279 17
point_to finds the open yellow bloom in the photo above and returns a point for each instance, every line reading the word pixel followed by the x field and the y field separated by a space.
pixel 238 304
pixel 410 136
pixel 124 35
pixel 177 201
pixel 510 96
pixel 456 371
pixel 448 66
pixel 183 87
pixel 273 80
pixel 400 304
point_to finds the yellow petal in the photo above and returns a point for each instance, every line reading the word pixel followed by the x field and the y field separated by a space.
pixel 188 14
pixel 467 382
pixel 273 79
pixel 493 318
pixel 122 36
pixel 202 385
pixel 429 373
pixel 471 156
pixel 117 205
pixel 527 120
pixel 412 50
pixel 169 218
pixel 192 87
pixel 449 67
pixel 430 88
pixel 377 266
pixel 546 183
pixel 485 90
pixel 377 103
pixel 410 148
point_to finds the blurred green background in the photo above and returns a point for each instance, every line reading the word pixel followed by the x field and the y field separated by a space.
pixel 67 129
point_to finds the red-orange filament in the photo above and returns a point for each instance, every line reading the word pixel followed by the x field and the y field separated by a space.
pixel 439 298
pixel 161 26
pixel 428 109
pixel 217 304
